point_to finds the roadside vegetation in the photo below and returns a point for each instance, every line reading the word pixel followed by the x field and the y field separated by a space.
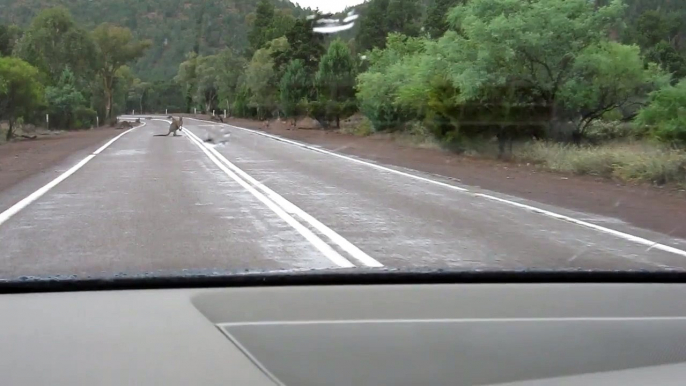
pixel 571 85
pixel 55 68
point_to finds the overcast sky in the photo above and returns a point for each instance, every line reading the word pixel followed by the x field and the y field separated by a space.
pixel 327 5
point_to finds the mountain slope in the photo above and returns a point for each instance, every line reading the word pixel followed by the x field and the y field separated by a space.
pixel 174 26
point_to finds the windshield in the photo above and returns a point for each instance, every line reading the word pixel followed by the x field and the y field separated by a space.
pixel 222 137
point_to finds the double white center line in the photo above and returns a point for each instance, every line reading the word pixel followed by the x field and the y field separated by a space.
pixel 288 211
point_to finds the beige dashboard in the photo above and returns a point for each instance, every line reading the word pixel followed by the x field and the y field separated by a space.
pixel 442 334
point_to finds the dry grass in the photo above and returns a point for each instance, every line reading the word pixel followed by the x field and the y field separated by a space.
pixel 633 162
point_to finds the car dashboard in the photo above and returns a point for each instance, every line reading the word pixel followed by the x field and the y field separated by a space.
pixel 524 334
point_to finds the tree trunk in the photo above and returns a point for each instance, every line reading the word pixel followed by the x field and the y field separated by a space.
pixel 338 121
pixel 108 103
pixel 10 131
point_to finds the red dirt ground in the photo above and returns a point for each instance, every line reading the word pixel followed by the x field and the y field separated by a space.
pixel 22 159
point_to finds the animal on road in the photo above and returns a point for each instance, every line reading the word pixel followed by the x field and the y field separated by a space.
pixel 174 126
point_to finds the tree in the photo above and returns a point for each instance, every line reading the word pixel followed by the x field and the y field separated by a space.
pixel 9 35
pixel 659 36
pixel 229 68
pixel 54 42
pixel 663 116
pixel 260 78
pixel 336 79
pixel 379 88
pixel 293 87
pixel 63 100
pixel 20 90
pixel 605 77
pixel 260 30
pixel 187 78
pixel 403 17
pixel 436 22
pixel 115 47
pixel 138 94
pixel 373 26
pixel 207 81
pixel 512 57
pixel 304 44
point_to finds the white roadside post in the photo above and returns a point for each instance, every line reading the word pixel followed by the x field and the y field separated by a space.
pixel 195 110
pixel 47 121
pixel 165 112
pixel 97 121
pixel 224 113
pixel 213 113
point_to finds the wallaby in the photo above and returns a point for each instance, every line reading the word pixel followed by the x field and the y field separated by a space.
pixel 173 127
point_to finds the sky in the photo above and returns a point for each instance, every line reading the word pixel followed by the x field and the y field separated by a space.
pixel 327 5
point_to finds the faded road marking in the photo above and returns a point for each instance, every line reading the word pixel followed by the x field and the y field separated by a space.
pixel 291 208
pixel 317 242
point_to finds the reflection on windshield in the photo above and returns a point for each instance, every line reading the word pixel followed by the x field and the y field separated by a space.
pixel 401 135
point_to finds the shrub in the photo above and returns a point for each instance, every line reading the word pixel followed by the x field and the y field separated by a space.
pixel 635 162
pixel 84 118
pixel 665 118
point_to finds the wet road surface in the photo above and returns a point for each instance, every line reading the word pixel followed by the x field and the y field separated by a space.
pixel 165 204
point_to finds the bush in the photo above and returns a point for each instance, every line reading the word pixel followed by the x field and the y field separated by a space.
pixel 636 162
pixel 604 131
pixel 84 118
pixel 664 116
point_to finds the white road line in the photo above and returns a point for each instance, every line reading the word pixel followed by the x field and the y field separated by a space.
pixel 318 243
pixel 14 209
pixel 291 208
pixel 460 320
pixel 622 235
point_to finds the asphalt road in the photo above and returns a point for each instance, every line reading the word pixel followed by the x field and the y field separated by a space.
pixel 165 204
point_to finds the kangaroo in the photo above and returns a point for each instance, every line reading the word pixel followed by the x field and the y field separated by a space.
pixel 173 127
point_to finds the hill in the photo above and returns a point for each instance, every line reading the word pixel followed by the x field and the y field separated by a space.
pixel 174 26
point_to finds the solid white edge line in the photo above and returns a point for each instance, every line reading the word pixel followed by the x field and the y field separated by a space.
pixel 454 320
pixel 14 209
pixel 318 243
pixel 291 208
pixel 636 239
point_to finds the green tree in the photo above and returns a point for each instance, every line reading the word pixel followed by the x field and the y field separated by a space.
pixel 138 94
pixel 664 117
pixel 9 35
pixel 260 31
pixel 54 42
pixel 436 22
pixel 404 17
pixel 208 81
pixel 294 87
pixel 336 80
pixel 165 96
pixel 512 57
pixel 260 78
pixel 379 88
pixel 659 35
pixel 63 100
pixel 605 77
pixel 20 90
pixel 229 68
pixel 304 44
pixel 115 47
pixel 187 78
pixel 373 26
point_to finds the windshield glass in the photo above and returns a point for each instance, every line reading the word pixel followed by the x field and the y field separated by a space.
pixel 168 138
